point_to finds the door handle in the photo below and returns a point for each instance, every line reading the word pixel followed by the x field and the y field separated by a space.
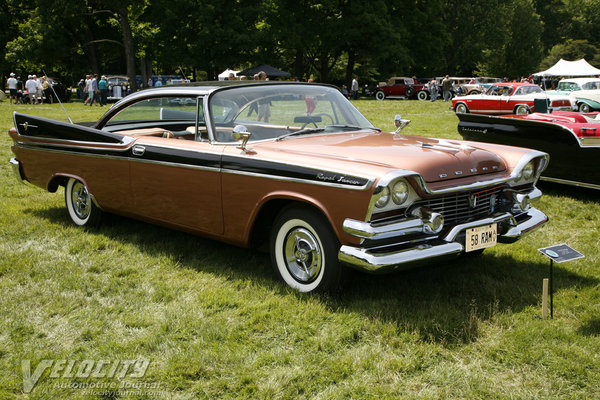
pixel 138 150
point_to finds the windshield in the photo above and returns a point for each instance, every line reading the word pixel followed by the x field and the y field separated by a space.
pixel 274 111
pixel 497 90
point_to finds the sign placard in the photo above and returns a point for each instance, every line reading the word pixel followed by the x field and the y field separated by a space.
pixel 560 253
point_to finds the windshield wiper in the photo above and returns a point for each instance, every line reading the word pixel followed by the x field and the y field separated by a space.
pixel 300 132
pixel 342 126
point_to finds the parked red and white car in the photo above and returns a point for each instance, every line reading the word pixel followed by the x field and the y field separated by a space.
pixel 512 98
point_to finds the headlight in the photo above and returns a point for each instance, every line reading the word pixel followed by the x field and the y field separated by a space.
pixel 382 197
pixel 399 192
pixel 528 171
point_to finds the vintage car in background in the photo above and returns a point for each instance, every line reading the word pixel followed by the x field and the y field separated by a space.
pixel 118 87
pixel 587 100
pixel 476 85
pixel 511 98
pixel 294 166
pixel 572 139
pixel 401 88
pixel 568 86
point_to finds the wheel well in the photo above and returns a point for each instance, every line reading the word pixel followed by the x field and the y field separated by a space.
pixel 459 104
pixel 56 181
pixel 261 228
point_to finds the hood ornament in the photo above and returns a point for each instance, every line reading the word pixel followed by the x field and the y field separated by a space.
pixel 400 123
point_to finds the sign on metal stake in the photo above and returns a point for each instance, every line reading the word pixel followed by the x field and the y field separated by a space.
pixel 558 253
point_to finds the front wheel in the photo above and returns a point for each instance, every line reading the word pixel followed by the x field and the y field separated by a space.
pixel 81 207
pixel 584 108
pixel 380 95
pixel 422 95
pixel 304 251
pixel 461 108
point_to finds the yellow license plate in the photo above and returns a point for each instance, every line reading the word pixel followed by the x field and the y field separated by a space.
pixel 481 237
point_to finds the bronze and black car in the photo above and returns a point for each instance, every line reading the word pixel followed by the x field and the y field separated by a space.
pixel 295 165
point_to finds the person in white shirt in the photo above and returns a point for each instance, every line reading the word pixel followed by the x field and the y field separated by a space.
pixel 40 89
pixel 12 88
pixel 31 87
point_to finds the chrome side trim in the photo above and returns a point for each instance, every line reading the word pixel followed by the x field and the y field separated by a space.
pixel 297 180
pixel 572 183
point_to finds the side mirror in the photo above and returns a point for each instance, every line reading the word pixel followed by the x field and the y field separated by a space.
pixel 240 132
pixel 400 123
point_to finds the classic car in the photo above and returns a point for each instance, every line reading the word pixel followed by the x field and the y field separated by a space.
pixel 572 139
pixel 568 86
pixel 118 87
pixel 510 98
pixel 401 88
pixel 292 165
pixel 476 85
pixel 587 100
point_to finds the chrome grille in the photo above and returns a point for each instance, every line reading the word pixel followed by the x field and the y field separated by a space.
pixel 463 207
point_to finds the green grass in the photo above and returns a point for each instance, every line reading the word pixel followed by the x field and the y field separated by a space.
pixel 214 323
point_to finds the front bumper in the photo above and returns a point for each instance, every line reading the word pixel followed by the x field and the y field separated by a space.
pixel 450 244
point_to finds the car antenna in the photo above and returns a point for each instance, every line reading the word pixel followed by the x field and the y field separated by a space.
pixel 55 95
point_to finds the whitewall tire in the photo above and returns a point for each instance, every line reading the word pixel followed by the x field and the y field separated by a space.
pixel 80 205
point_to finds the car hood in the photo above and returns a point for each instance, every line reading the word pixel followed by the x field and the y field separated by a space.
pixel 434 159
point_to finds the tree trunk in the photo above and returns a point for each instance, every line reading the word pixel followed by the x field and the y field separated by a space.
pixel 350 67
pixel 90 47
pixel 129 45
pixel 299 64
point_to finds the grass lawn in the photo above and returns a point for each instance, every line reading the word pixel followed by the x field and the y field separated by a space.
pixel 202 319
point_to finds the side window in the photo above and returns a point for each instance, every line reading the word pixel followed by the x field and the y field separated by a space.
pixel 159 109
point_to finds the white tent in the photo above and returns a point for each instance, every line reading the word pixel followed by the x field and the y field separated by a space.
pixel 570 68
pixel 225 74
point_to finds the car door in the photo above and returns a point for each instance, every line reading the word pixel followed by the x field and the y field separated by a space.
pixel 175 176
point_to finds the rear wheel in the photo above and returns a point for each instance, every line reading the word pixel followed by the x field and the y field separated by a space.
pixel 380 95
pixel 584 108
pixel 461 108
pixel 304 251
pixel 81 207
pixel 522 109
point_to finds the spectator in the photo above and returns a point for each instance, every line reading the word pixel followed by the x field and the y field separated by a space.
pixel 40 89
pixel 12 88
pixel 86 91
pixel 433 89
pixel 158 82
pixel 231 77
pixel 103 87
pixel 354 88
pixel 47 89
pixel 80 89
pixel 31 87
pixel 446 88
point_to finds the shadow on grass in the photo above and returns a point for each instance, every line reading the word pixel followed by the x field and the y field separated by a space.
pixel 443 303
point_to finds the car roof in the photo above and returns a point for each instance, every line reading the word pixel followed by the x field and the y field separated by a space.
pixel 581 80
pixel 514 84
pixel 202 89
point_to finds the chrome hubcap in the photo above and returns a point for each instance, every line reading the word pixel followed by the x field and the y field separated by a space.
pixel 303 255
pixel 80 199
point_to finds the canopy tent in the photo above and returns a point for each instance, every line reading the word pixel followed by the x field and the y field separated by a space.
pixel 271 72
pixel 225 74
pixel 570 68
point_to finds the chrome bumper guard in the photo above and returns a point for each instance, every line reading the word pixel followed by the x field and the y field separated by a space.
pixel 16 167
pixel 366 260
